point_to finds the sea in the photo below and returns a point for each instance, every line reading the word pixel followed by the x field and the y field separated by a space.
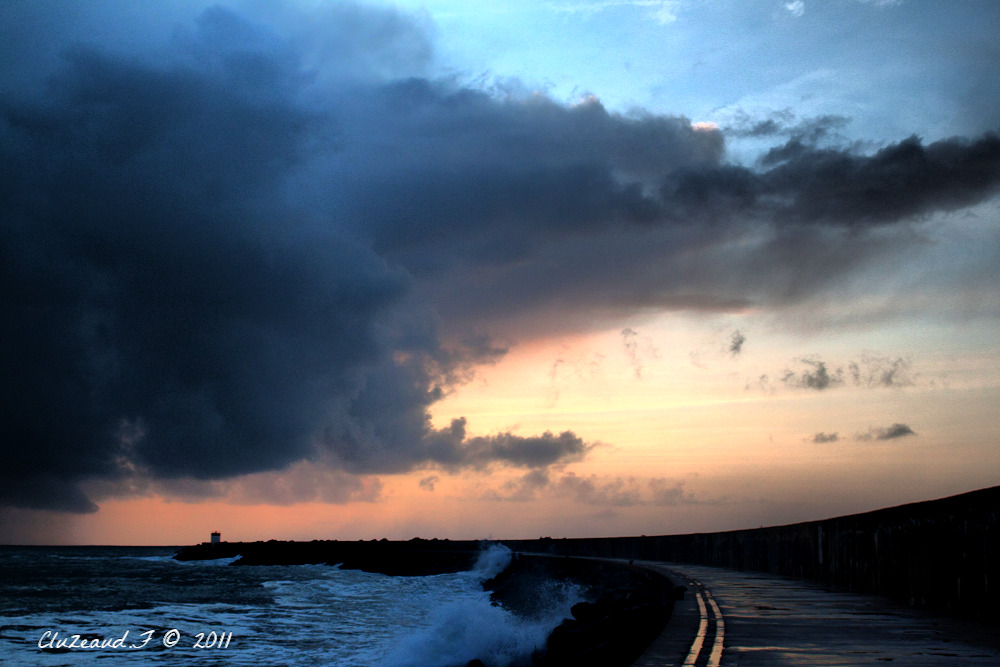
pixel 112 606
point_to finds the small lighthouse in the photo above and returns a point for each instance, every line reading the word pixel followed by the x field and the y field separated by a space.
pixel 216 537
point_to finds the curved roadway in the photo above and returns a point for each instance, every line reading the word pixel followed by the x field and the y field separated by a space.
pixel 750 619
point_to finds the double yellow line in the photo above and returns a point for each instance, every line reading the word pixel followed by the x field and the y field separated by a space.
pixel 715 656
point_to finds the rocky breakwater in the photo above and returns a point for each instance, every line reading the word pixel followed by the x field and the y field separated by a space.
pixel 416 557
pixel 624 610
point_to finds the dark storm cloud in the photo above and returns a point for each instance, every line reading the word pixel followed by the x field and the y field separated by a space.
pixel 807 131
pixel 173 308
pixel 382 440
pixel 592 232
pixel 258 245
pixel 531 452
pixel 165 307
pixel 808 185
pixel 901 180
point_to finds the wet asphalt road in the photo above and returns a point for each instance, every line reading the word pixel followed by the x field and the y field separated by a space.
pixel 771 621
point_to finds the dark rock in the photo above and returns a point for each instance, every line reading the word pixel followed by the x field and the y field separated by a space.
pixel 626 608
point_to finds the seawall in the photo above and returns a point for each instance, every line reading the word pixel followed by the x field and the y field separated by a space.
pixel 942 555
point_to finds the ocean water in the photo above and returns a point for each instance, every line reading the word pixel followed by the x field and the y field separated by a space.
pixel 138 606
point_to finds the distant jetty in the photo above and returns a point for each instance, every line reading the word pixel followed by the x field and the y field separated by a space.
pixel 416 557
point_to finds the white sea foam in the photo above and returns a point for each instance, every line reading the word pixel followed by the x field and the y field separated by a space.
pixel 213 562
pixel 492 561
pixel 460 631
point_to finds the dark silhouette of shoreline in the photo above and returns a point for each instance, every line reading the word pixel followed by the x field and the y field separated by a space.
pixel 938 555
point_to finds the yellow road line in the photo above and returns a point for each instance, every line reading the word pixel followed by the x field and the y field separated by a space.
pixel 699 639
pixel 715 656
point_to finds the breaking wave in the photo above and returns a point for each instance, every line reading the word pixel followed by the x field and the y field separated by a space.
pixel 470 626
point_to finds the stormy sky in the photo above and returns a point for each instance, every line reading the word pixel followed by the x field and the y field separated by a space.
pixel 242 239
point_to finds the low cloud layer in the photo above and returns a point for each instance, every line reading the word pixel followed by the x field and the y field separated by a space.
pixel 301 483
pixel 258 246
pixel 603 491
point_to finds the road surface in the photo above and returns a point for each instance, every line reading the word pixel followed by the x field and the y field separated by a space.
pixel 749 619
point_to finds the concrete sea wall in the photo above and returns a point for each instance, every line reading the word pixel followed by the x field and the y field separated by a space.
pixel 942 555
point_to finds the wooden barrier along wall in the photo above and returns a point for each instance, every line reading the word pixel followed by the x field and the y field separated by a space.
pixel 942 555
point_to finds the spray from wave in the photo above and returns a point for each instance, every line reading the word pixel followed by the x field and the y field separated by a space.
pixel 469 626
pixel 493 560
